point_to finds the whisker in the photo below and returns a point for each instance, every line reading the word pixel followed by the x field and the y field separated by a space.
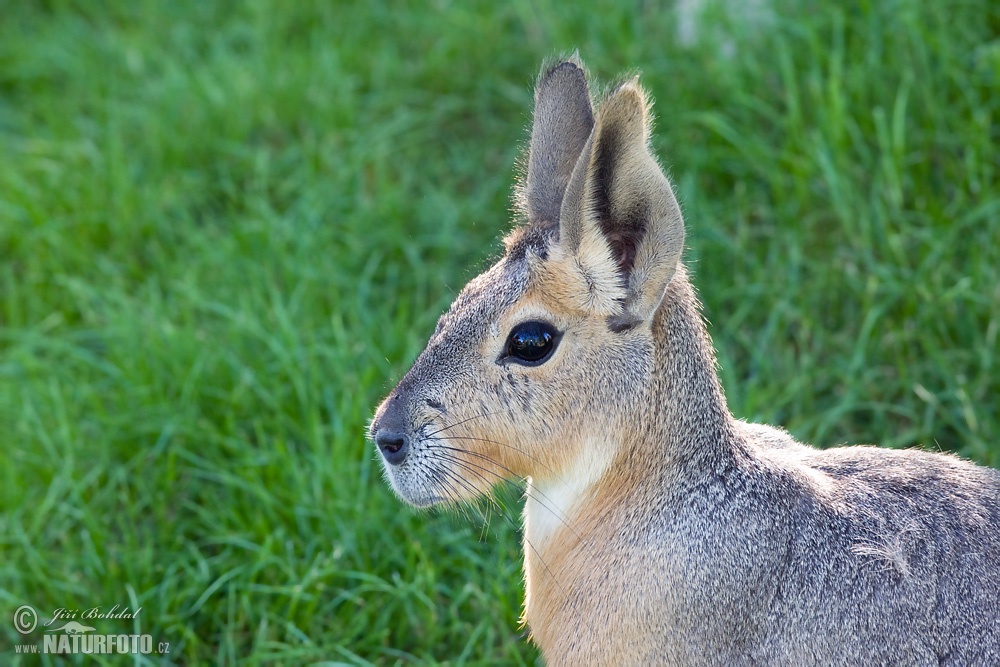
pixel 541 560
pixel 441 482
pixel 486 458
pixel 494 503
pixel 562 518
pixel 556 512
pixel 464 421
pixel 501 444
pixel 472 490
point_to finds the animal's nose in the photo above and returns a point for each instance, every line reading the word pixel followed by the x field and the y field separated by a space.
pixel 393 445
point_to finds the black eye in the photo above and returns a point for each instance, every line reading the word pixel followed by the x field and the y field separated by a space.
pixel 531 343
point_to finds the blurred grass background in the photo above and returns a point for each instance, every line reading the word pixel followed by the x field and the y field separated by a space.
pixel 226 228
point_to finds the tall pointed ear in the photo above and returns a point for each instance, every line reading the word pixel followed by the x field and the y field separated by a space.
pixel 562 121
pixel 619 216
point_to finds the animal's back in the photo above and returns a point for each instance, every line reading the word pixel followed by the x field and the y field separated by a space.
pixel 895 555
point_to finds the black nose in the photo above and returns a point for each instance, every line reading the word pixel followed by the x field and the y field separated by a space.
pixel 394 446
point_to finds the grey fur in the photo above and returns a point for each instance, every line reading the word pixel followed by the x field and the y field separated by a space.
pixel 562 121
pixel 700 539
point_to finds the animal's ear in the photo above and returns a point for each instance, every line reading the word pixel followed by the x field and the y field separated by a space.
pixel 562 121
pixel 619 207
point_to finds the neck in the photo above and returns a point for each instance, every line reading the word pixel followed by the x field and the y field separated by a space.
pixel 687 414
pixel 684 431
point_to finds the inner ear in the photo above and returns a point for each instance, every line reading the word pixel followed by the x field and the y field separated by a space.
pixel 624 248
pixel 621 232
pixel 624 236
pixel 620 211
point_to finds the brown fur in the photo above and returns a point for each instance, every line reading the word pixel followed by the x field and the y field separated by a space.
pixel 659 529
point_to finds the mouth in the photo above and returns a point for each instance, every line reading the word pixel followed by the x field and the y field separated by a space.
pixel 412 484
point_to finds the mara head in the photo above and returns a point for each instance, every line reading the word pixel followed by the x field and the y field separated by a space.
pixel 546 358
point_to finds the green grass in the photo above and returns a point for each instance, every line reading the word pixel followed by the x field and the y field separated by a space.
pixel 227 228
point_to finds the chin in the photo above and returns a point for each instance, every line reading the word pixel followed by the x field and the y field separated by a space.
pixel 417 497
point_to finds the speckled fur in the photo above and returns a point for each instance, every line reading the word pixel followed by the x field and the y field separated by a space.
pixel 682 536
